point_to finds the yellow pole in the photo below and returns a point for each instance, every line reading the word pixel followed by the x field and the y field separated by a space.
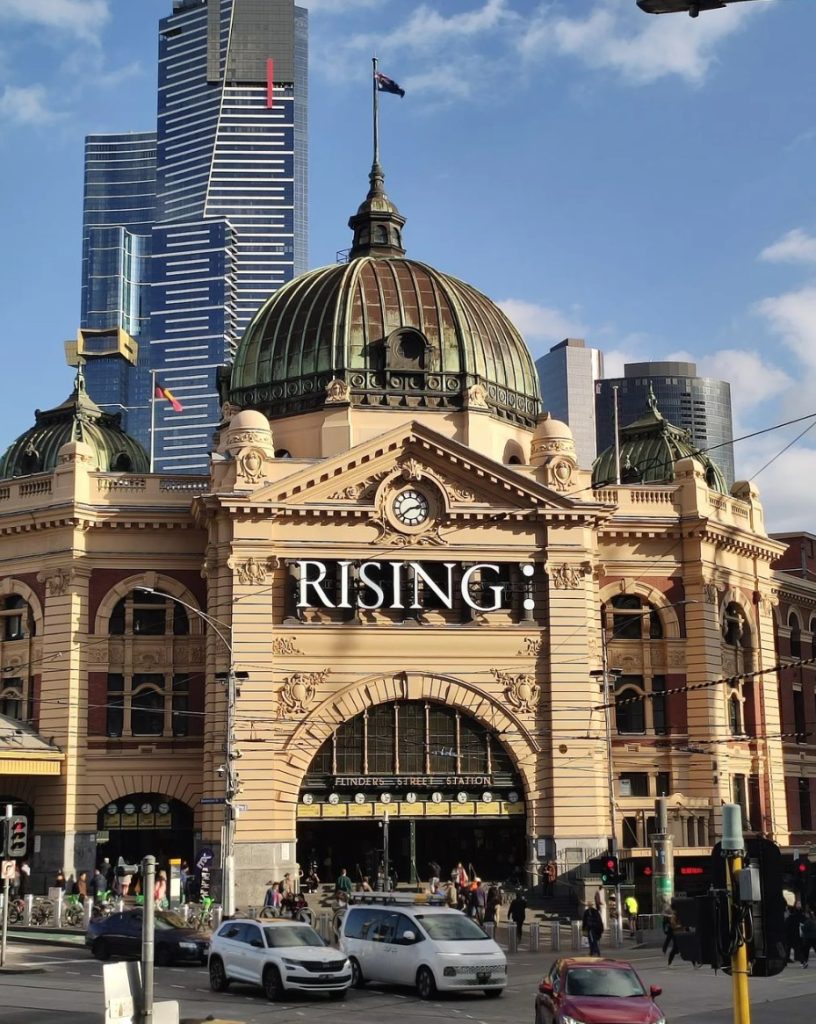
pixel 739 959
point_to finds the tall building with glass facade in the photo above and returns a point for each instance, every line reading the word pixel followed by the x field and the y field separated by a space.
pixel 567 375
pixel 119 209
pixel 702 405
pixel 230 221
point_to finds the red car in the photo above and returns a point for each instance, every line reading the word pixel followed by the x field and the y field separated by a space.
pixel 592 990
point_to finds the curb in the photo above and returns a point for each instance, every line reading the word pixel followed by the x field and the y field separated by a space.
pixel 21 970
pixel 40 940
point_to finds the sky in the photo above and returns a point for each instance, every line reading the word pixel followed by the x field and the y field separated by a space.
pixel 646 183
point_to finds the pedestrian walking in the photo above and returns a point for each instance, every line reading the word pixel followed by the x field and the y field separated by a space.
pixel 344 886
pixel 160 889
pixel 671 926
pixel 24 882
pixel 631 905
pixel 808 938
pixel 490 911
pixel 593 927
pixel 793 933
pixel 517 912
pixel 80 887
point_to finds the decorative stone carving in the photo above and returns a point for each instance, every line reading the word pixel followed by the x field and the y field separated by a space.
pixel 567 576
pixel 253 570
pixel 533 646
pixel 57 583
pixel 285 645
pixel 350 493
pixel 462 494
pixel 298 692
pixel 710 592
pixel 337 391
pixel 250 465
pixel 521 689
pixel 228 410
pixel 476 397
pixel 677 657
pixel 412 469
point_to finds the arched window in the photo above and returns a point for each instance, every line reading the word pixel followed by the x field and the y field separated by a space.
pixel 406 349
pixel 121 463
pixel 630 713
pixel 735 715
pixel 148 703
pixel 795 636
pixel 633 618
pixel 17 629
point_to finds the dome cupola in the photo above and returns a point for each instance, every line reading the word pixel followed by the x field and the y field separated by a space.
pixel 649 449
pixel 78 421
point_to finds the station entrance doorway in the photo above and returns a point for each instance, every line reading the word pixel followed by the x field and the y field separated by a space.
pixel 428 780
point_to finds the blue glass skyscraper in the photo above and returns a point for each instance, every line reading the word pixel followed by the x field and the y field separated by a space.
pixel 230 222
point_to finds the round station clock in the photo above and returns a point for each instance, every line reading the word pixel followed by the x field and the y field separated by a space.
pixel 411 507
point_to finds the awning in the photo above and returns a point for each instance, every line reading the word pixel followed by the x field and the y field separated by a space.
pixel 24 752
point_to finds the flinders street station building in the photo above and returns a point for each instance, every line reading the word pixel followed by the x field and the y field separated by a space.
pixel 391 599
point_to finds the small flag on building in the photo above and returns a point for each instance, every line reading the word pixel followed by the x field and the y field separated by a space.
pixel 386 84
pixel 167 394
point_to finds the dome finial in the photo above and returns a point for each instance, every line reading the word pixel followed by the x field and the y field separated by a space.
pixel 378 224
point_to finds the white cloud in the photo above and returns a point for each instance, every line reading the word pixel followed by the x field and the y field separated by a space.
pixel 336 6
pixel 26 105
pixel 617 36
pixel 793 317
pixel 797 246
pixel 786 486
pixel 541 323
pixel 83 19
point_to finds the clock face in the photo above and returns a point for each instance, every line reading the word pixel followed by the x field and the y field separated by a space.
pixel 411 507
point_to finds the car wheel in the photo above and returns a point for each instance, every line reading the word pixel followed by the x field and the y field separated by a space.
pixel 163 956
pixel 218 976
pixel 272 985
pixel 493 993
pixel 336 996
pixel 101 949
pixel 425 983
pixel 357 979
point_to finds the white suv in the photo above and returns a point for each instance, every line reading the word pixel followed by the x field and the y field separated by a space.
pixel 427 946
pixel 280 956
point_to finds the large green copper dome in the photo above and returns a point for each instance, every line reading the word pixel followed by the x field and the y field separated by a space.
pixel 78 418
pixel 395 332
pixel 649 448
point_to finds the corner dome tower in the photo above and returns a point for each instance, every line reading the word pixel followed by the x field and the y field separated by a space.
pixel 77 420
pixel 649 448
pixel 384 331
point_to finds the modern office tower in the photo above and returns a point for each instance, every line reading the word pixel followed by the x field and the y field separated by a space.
pixel 230 221
pixel 567 374
pixel 701 405
pixel 118 213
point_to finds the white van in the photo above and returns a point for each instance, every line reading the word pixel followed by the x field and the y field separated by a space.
pixel 433 948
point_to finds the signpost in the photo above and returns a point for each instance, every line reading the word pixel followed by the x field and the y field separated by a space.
pixel 7 876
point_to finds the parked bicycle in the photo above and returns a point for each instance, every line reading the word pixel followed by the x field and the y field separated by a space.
pixel 43 913
pixel 103 905
pixel 16 911
pixel 74 912
pixel 201 916
pixel 296 907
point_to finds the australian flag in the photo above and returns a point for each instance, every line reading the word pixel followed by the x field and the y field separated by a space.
pixel 386 84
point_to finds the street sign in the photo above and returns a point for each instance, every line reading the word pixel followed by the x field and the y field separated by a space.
pixel 8 870
pixel 213 800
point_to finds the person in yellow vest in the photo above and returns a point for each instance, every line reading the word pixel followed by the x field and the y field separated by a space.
pixel 631 905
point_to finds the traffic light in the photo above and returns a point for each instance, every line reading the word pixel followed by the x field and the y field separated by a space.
pixel 801 869
pixel 610 875
pixel 16 838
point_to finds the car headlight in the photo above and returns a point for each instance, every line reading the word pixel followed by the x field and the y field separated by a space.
pixel 662 1020
pixel 187 945
pixel 572 1020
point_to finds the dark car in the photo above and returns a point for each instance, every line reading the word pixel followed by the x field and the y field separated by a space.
pixel 594 990
pixel 120 935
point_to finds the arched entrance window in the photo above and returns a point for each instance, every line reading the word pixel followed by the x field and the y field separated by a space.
pixel 17 631
pixel 143 823
pixel 446 784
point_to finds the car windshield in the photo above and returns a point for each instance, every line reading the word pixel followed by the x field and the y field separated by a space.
pixel 451 928
pixel 281 935
pixel 603 981
pixel 166 919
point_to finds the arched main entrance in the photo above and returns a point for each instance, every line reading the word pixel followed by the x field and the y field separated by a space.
pixel 145 823
pixel 444 782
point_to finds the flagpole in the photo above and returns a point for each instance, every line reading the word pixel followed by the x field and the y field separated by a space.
pixel 152 417
pixel 376 113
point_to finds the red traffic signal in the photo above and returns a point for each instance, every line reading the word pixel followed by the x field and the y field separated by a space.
pixel 17 837
pixel 647 871
pixel 801 866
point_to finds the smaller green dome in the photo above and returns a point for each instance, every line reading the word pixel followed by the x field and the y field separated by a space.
pixel 78 418
pixel 649 448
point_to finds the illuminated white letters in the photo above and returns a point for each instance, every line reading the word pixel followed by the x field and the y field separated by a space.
pixel 380 585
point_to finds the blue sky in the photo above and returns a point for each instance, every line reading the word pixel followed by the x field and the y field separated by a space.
pixel 644 182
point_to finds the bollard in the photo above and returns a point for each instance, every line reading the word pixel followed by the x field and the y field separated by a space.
pixel 87 910
pixel 512 938
pixel 58 910
pixel 617 936
pixel 324 926
pixel 535 936
pixel 576 934
pixel 120 905
pixel 217 916
pixel 29 906
pixel 555 936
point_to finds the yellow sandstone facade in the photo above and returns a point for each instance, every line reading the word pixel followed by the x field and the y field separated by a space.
pixel 414 581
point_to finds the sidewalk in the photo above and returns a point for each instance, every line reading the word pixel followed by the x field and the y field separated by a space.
pixel 44 937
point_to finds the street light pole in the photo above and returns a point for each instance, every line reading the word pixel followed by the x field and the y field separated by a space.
pixel 231 788
pixel 606 676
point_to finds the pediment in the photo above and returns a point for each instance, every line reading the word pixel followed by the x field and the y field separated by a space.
pixel 468 480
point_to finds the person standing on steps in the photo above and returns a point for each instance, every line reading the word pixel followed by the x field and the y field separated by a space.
pixel 344 885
